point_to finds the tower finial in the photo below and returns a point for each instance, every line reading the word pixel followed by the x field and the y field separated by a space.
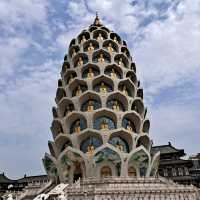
pixel 97 20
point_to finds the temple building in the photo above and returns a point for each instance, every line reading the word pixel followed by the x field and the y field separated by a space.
pixel 101 147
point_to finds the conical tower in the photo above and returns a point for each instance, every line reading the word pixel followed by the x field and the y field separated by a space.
pixel 99 125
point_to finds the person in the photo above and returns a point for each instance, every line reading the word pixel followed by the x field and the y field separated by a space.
pixel 100 38
pixel 77 127
pixel 73 52
pixel 101 58
pixel 90 74
pixel 115 105
pixel 128 126
pixel 78 91
pixel 103 88
pixel 110 49
pixel 104 125
pixel 124 90
pixel 90 48
pixel 90 106
pixel 80 62
pixel 113 74
pixel 83 39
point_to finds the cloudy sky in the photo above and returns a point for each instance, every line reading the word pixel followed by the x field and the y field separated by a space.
pixel 164 39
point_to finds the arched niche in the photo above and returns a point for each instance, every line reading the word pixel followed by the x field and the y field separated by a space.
pixel 115 37
pixel 90 46
pixel 56 128
pixel 110 43
pixel 121 60
pixel 138 106
pixel 119 143
pixel 124 43
pixel 127 88
pixel 60 94
pixel 92 28
pixel 144 141
pixel 65 66
pixel 90 71
pixel 83 37
pixel 131 121
pixel 66 106
pixel 69 76
pixel 105 29
pixel 103 85
pixel 80 59
pixel 73 42
pixel 107 157
pixel 51 148
pixel 89 144
pixel 97 34
pixel 76 123
pixel 117 101
pixel 73 50
pixel 62 142
pixel 60 83
pixel 54 112
pixel 133 67
pixel 140 93
pixel 132 76
pixel 90 102
pixel 146 126
pixel 113 71
pixel 101 57
pixel 104 120
pixel 125 51
pixel 77 87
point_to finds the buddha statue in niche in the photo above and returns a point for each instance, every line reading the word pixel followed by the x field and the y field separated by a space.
pixel 90 150
pixel 104 125
pixel 124 90
pixel 101 58
pixel 103 88
pixel 73 52
pixel 120 63
pixel 119 146
pixel 90 73
pixel 67 110
pixel 128 126
pixel 77 127
pixel 90 48
pixel 110 49
pixel 70 78
pixel 113 74
pixel 100 38
pixel 115 105
pixel 78 91
pixel 80 62
pixel 90 106
pixel 115 39
pixel 83 39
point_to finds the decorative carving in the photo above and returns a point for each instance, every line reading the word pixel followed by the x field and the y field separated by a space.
pixel 83 39
pixel 104 125
pixel 90 48
pixel 101 58
pixel 90 106
pixel 80 62
pixel 110 49
pixel 78 91
pixel 90 73
pixel 103 88
pixel 77 127
pixel 100 38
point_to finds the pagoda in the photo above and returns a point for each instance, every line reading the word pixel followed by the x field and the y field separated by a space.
pixel 101 145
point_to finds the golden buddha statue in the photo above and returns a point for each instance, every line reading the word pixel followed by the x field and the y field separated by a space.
pixel 128 126
pixel 110 49
pixel 119 146
pixel 103 88
pixel 90 106
pixel 113 74
pixel 101 58
pixel 77 127
pixel 78 91
pixel 104 125
pixel 73 52
pixel 100 38
pixel 90 48
pixel 70 78
pixel 83 39
pixel 80 62
pixel 120 63
pixel 90 150
pixel 115 39
pixel 90 73
pixel 124 90
pixel 115 105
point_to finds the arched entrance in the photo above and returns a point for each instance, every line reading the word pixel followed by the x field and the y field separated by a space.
pixel 77 172
pixel 106 171
pixel 131 172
